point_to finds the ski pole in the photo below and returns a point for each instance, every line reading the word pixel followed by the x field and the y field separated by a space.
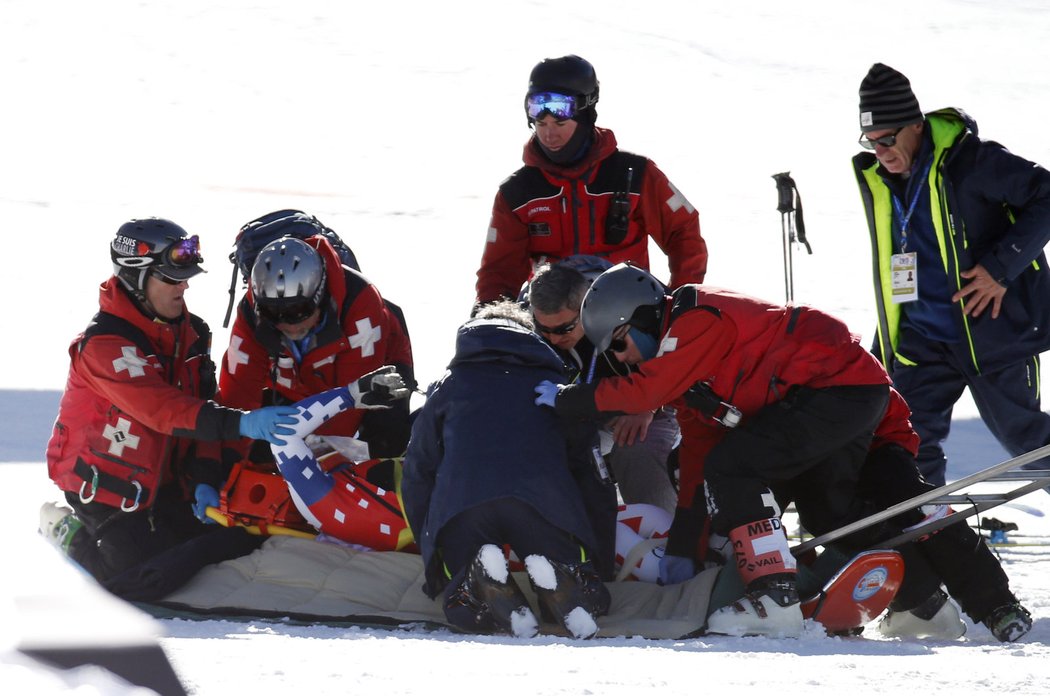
pixel 792 227
pixel 930 496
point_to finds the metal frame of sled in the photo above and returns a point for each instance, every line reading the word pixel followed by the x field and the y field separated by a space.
pixel 974 503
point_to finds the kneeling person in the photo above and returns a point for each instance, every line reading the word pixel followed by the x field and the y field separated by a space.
pixel 485 468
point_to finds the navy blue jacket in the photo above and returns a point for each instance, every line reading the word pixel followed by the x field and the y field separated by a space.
pixel 481 437
pixel 989 207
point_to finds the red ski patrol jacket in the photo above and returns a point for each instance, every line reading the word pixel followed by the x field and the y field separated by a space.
pixel 134 398
pixel 359 334
pixel 744 351
pixel 544 212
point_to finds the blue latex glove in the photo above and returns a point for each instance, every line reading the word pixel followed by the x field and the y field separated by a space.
pixel 676 569
pixel 268 423
pixel 547 393
pixel 204 497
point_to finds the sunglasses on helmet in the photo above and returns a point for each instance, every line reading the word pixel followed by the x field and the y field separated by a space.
pixel 560 106
pixel 288 313
pixel 560 330
pixel 888 140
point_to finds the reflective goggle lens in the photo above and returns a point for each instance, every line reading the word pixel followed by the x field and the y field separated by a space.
pixel 560 106
pixel 185 252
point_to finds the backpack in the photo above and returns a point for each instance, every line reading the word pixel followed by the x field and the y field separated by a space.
pixel 255 235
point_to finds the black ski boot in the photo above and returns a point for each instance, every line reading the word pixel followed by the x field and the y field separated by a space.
pixel 1009 623
pixel 571 596
pixel 488 599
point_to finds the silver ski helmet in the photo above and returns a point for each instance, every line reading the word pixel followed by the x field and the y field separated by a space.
pixel 288 280
pixel 157 246
pixel 565 87
pixel 624 294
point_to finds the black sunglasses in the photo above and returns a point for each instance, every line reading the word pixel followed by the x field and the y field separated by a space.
pixel 888 140
pixel 170 281
pixel 560 330
pixel 618 344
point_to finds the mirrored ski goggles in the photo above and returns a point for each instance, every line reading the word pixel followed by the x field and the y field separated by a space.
pixel 560 106
pixel 560 330
pixel 294 312
pixel 888 140
pixel 185 252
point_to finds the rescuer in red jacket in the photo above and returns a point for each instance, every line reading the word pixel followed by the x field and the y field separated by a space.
pixel 135 446
pixel 776 404
pixel 579 194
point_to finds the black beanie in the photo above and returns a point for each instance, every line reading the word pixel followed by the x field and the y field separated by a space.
pixel 886 100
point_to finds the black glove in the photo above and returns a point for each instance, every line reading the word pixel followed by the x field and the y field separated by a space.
pixel 378 389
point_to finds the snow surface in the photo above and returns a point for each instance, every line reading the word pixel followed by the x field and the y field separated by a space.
pixel 394 123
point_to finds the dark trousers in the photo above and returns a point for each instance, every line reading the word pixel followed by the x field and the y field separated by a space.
pixel 113 541
pixel 809 447
pixel 933 379
pixel 504 521
pixel 956 555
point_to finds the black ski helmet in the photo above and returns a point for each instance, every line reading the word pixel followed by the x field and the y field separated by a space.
pixel 288 280
pixel 624 294
pixel 568 75
pixel 153 245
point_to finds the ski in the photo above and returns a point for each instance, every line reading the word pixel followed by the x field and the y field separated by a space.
pixel 970 504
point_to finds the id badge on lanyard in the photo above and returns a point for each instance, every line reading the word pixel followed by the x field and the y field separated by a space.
pixel 904 277
pixel 904 267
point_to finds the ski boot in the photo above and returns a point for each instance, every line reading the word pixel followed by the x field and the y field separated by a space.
pixel 572 596
pixel 936 618
pixel 770 607
pixel 58 524
pixel 488 599
pixel 1009 623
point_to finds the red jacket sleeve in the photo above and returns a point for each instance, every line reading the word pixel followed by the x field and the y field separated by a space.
pixel 692 350
pixel 674 225
pixel 505 262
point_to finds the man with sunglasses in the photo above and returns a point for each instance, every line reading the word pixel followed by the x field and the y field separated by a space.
pixel 309 324
pixel 136 441
pixel 579 194
pixel 962 290
pixel 637 446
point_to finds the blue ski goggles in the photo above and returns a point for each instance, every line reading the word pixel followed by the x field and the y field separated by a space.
pixel 560 106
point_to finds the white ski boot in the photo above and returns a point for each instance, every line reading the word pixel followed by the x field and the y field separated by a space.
pixel 937 618
pixel 770 608
pixel 58 524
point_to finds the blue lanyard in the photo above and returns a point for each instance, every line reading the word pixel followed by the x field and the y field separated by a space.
pixel 905 217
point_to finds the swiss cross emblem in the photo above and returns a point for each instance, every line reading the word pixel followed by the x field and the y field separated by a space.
pixel 120 436
pixel 366 337
pixel 235 356
pixel 668 345
pixel 131 362
pixel 678 201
